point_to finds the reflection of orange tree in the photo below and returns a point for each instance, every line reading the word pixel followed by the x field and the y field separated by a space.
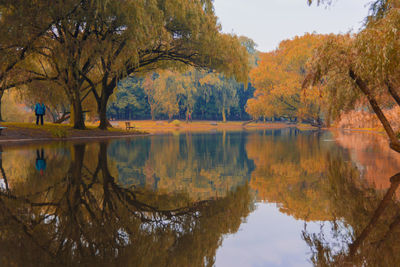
pixel 366 222
pixel 372 152
pixel 87 218
pixel 289 171
pixel 205 166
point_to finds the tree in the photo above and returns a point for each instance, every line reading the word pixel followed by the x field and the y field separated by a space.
pixel 365 65
pixel 172 87
pixel 45 91
pixel 259 108
pixel 278 78
pixel 181 32
pixel 223 89
pixel 130 100
pixel 22 25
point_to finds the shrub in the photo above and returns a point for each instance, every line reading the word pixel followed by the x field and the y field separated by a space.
pixel 176 123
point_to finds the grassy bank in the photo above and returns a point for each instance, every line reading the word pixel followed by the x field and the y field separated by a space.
pixel 49 131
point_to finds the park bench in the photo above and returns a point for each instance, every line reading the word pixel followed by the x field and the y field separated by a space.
pixel 2 128
pixel 128 125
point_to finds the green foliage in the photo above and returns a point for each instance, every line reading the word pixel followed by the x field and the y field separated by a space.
pixel 88 46
pixel 177 123
pixel 169 94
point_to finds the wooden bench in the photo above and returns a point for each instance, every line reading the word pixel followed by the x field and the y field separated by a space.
pixel 129 126
pixel 2 128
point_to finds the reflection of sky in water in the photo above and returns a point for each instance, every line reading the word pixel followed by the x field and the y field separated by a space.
pixel 268 238
pixel 209 166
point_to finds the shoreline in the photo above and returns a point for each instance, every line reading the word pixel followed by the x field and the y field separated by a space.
pixel 26 133
pixel 72 138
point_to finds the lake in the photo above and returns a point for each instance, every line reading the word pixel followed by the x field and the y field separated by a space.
pixel 278 197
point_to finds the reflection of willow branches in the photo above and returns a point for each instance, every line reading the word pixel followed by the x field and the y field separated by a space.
pixel 88 216
pixel 367 225
pixel 114 193
pixel 388 198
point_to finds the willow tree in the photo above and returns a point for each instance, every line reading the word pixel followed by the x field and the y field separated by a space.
pixel 365 65
pixel 104 41
pixel 137 36
pixel 223 89
pixel 22 25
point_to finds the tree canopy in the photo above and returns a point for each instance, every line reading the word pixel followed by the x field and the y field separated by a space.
pixel 91 45
pixel 278 78
pixel 362 67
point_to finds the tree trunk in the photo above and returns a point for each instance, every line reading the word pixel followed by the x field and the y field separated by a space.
pixel 394 141
pixel 77 115
pixel 104 123
pixel 393 92
pixel 394 184
pixel 153 116
pixel 223 115
pixel 1 96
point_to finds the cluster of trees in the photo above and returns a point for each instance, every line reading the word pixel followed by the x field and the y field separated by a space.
pixel 278 81
pixel 199 94
pixel 78 50
pixel 167 94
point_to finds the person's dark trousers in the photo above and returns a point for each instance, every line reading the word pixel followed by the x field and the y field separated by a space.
pixel 39 155
pixel 37 119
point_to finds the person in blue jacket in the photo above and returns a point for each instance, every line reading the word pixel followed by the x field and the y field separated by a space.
pixel 40 161
pixel 40 111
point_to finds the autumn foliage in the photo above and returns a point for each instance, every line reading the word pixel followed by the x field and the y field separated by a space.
pixel 278 79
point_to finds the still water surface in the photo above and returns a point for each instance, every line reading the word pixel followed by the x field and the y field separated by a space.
pixel 260 198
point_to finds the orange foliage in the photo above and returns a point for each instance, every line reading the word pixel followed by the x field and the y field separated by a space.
pixel 278 79
pixel 288 171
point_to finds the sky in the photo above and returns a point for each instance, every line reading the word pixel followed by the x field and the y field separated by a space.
pixel 271 238
pixel 268 22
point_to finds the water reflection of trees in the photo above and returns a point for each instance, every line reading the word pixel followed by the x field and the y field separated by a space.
pixel 84 217
pixel 205 165
pixel 372 155
pixel 366 225
pixel 290 170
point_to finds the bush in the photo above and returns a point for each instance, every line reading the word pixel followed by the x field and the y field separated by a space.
pixel 176 123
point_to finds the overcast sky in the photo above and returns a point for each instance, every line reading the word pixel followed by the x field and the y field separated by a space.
pixel 268 22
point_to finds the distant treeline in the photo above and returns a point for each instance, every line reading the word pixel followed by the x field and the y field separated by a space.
pixel 195 94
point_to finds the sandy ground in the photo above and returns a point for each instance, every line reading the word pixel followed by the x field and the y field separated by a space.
pixel 196 126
